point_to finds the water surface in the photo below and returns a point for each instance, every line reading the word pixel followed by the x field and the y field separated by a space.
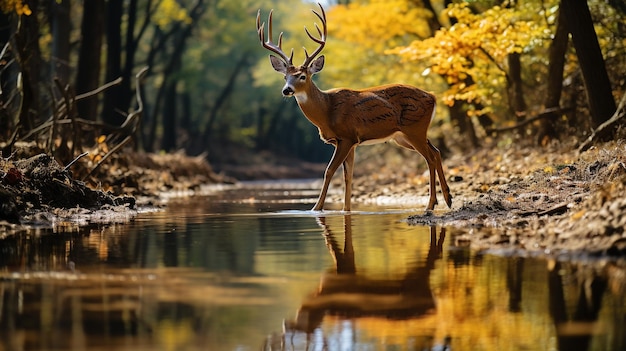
pixel 253 269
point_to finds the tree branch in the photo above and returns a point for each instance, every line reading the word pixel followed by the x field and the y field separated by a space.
pixel 544 114
pixel 605 128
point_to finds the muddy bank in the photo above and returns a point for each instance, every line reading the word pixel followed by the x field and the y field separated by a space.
pixel 543 201
pixel 38 193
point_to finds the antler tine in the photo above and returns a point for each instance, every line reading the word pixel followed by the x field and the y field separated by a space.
pixel 277 49
pixel 270 36
pixel 321 40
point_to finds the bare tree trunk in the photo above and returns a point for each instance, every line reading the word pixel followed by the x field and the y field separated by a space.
pixel 28 56
pixel 130 50
pixel 60 23
pixel 168 141
pixel 117 99
pixel 225 93
pixel 556 57
pixel 112 111
pixel 88 76
pixel 464 123
pixel 516 93
pixel 597 83
pixel 172 63
pixel 8 76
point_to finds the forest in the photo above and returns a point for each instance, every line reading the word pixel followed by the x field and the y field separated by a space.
pixel 169 75
pixel 128 129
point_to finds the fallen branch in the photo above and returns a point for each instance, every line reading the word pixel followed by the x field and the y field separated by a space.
pixel 605 127
pixel 99 89
pixel 74 160
pixel 544 114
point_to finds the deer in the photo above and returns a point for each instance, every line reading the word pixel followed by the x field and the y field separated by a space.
pixel 347 118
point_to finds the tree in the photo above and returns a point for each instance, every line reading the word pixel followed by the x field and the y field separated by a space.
pixel 597 83
pixel 114 100
pixel 61 26
pixel 88 75
pixel 122 54
pixel 180 31
pixel 556 64
pixel 28 56
pixel 476 46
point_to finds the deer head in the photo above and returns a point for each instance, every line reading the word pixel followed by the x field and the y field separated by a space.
pixel 297 79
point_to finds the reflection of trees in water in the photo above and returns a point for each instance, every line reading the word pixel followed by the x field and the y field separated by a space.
pixel 47 305
pixel 348 305
pixel 348 295
pixel 122 309
pixel 576 324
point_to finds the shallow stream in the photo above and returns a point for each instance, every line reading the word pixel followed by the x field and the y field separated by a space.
pixel 252 269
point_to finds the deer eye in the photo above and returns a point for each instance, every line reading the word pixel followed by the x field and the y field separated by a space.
pixel 303 77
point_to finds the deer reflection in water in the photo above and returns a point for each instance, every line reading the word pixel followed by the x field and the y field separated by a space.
pixel 345 293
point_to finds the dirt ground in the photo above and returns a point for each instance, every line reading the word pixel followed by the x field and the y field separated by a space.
pixel 38 193
pixel 549 201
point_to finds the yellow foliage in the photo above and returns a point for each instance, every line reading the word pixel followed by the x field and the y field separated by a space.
pixel 359 34
pixel 379 24
pixel 474 50
pixel 170 11
pixel 15 5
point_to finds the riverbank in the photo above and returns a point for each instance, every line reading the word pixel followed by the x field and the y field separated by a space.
pixel 549 201
pixel 37 194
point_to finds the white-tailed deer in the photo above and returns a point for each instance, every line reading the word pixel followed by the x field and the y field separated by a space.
pixel 347 118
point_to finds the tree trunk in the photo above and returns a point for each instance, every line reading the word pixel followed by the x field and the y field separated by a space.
pixel 172 62
pixel 112 112
pixel 130 49
pixel 117 99
pixel 28 56
pixel 60 23
pixel 597 83
pixel 88 76
pixel 516 93
pixel 464 123
pixel 556 63
pixel 168 141
pixel 225 93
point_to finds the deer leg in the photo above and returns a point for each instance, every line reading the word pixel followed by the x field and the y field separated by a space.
pixel 442 178
pixel 348 166
pixel 433 190
pixel 431 160
pixel 342 149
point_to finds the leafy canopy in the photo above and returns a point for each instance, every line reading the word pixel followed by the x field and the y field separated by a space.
pixel 15 5
pixel 169 11
pixel 359 34
pixel 380 24
pixel 475 49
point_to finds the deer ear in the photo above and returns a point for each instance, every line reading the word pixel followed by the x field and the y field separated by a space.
pixel 278 64
pixel 317 65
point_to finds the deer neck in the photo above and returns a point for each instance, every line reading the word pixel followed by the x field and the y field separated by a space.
pixel 314 104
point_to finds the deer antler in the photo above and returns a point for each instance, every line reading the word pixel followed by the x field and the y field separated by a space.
pixel 277 49
pixel 321 40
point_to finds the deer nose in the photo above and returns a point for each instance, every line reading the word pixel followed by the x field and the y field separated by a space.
pixel 287 91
